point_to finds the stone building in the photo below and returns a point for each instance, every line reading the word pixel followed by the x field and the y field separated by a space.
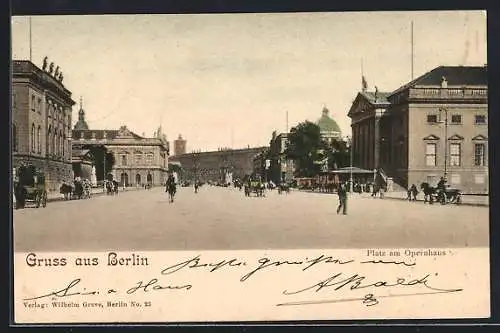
pixel 434 126
pixel 280 168
pixel 41 120
pixel 179 146
pixel 217 166
pixel 329 128
pixel 138 160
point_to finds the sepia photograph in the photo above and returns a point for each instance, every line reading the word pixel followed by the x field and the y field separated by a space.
pixel 347 131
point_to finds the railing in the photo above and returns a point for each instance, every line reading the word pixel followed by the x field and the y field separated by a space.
pixel 448 93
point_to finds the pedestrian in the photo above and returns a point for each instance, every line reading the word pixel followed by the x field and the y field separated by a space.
pixel 342 192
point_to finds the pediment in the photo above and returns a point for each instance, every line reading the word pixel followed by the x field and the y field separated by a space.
pixel 480 137
pixel 456 137
pixel 431 137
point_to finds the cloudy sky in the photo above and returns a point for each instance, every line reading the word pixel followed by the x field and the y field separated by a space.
pixel 228 79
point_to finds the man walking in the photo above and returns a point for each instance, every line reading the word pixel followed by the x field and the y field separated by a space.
pixel 342 192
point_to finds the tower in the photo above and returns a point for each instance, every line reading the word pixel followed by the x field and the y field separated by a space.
pixel 179 146
pixel 81 124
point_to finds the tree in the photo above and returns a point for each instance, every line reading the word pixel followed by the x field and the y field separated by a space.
pixel 99 152
pixel 338 154
pixel 306 148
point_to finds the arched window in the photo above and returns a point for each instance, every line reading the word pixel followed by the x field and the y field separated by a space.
pixel 53 143
pixel 32 137
pixel 64 145
pixel 39 139
pixel 49 136
pixel 61 143
pixel 14 137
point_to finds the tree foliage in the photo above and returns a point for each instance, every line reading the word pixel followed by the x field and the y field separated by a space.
pixel 306 148
pixel 99 153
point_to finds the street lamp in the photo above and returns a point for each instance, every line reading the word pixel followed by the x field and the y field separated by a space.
pixel 445 140
pixel 349 146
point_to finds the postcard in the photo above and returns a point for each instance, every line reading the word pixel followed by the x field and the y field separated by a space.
pixel 250 167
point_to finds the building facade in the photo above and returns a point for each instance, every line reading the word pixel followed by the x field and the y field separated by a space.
pixel 434 126
pixel 280 168
pixel 41 121
pixel 217 166
pixel 138 160
pixel 179 146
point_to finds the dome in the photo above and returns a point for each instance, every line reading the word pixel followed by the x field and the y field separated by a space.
pixel 327 124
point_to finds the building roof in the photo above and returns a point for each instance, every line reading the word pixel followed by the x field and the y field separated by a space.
pixel 99 134
pixel 327 124
pixel 455 76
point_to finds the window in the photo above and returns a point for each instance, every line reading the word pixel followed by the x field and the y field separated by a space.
pixel 64 145
pixel 39 139
pixel 32 103
pixel 124 159
pixel 14 101
pixel 430 154
pixel 149 159
pixel 480 119
pixel 33 137
pixel 479 179
pixel 138 158
pixel 456 119
pixel 49 136
pixel 14 137
pixel 432 118
pixel 39 105
pixel 455 154
pixel 479 150
pixel 53 143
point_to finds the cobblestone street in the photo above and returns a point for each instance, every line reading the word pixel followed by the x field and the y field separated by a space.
pixel 223 219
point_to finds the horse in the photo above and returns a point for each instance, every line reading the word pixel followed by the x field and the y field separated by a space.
pixel 283 187
pixel 66 190
pixel 429 192
pixel 171 189
pixel 20 193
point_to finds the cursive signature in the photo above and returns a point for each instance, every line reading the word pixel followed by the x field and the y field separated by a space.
pixel 67 291
pixel 196 263
pixel 72 289
pixel 356 282
pixel 262 264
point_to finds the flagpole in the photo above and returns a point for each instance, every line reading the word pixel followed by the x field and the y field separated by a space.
pixel 412 50
pixel 31 52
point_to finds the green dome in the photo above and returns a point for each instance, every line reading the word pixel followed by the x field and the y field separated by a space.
pixel 327 124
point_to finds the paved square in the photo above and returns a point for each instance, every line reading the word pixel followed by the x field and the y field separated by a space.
pixel 224 219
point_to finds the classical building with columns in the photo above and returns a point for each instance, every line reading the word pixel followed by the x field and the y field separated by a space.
pixel 434 126
pixel 139 160
pixel 41 121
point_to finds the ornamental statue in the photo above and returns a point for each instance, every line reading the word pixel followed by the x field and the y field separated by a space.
pixel 44 66
pixel 56 73
pixel 51 68
pixel 61 77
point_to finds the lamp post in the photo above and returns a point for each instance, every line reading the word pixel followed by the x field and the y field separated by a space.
pixel 349 146
pixel 445 140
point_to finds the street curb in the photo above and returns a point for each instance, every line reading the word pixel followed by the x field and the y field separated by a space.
pixel 471 204
pixel 97 194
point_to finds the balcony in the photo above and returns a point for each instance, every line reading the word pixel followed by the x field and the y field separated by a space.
pixel 454 94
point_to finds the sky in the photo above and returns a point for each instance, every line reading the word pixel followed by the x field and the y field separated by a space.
pixel 229 80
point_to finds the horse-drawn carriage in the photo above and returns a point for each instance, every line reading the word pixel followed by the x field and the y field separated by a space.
pixel 256 187
pixel 283 187
pixel 444 196
pixel 79 189
pixel 29 186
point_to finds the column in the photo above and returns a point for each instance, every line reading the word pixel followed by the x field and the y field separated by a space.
pixel 376 139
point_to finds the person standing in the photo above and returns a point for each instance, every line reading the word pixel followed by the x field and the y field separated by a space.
pixel 342 192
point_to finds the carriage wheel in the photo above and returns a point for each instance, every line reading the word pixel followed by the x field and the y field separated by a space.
pixel 459 199
pixel 44 199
